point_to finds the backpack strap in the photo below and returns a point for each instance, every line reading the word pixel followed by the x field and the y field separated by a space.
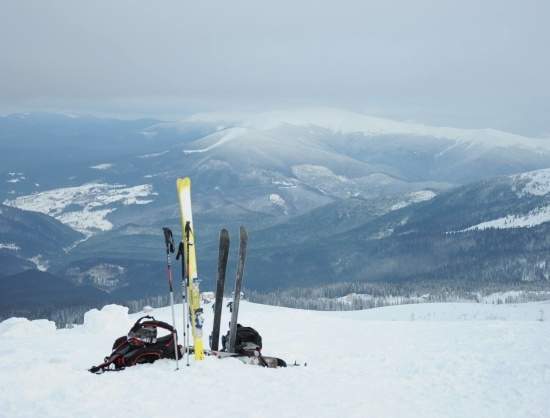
pixel 104 367
pixel 158 324
pixel 139 324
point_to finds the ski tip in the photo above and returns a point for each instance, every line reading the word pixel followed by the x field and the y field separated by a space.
pixel 243 232
pixel 224 233
pixel 183 182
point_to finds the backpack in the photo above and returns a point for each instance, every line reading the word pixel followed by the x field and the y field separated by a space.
pixel 247 341
pixel 141 345
pixel 248 348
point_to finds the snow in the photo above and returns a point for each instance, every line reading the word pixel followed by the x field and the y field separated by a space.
pixel 533 218
pixel 414 197
pixel 228 135
pixel 15 177
pixel 40 263
pixel 536 183
pixel 87 220
pixel 104 166
pixel 343 121
pixel 91 198
pixel 325 180
pixel 516 295
pixel 453 312
pixel 277 200
pixel 22 327
pixel 284 184
pixel 9 246
pixel 429 360
pixel 104 276
pixel 153 155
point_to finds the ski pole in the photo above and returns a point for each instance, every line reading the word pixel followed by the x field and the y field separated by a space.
pixel 169 241
pixel 187 278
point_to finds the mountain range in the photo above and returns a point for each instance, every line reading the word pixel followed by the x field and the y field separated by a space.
pixel 327 195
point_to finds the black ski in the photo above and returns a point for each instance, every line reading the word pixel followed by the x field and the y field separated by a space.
pixel 238 283
pixel 220 284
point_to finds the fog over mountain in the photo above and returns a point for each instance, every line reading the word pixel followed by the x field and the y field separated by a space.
pixel 468 64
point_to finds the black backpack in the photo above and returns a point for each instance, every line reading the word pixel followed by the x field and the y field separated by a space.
pixel 247 341
pixel 248 348
pixel 141 345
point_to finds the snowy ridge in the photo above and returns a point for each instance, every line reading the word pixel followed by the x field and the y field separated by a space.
pixel 343 121
pixel 405 359
pixel 536 183
pixel 92 198
pixel 533 218
pixel 228 135
pixel 414 197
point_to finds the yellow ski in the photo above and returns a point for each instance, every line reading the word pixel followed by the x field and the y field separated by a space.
pixel 193 292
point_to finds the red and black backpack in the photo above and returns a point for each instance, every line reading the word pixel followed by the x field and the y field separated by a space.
pixel 141 345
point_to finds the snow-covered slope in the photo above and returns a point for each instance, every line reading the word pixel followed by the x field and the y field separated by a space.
pixel 532 218
pixel 409 367
pixel 532 186
pixel 535 183
pixel 84 208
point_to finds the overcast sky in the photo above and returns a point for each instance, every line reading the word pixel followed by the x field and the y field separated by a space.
pixel 476 63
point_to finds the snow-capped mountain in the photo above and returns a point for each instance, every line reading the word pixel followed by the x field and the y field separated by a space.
pixel 410 150
pixel 348 122
pixel 386 193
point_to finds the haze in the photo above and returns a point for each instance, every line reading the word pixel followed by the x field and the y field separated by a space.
pixel 467 63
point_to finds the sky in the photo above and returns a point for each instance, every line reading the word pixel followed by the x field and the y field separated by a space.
pixel 466 63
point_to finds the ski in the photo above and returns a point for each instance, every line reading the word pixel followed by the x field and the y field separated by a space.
pixel 193 292
pixel 255 360
pixel 263 361
pixel 238 284
pixel 220 284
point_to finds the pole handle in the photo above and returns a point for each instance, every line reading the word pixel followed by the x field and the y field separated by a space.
pixel 168 240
